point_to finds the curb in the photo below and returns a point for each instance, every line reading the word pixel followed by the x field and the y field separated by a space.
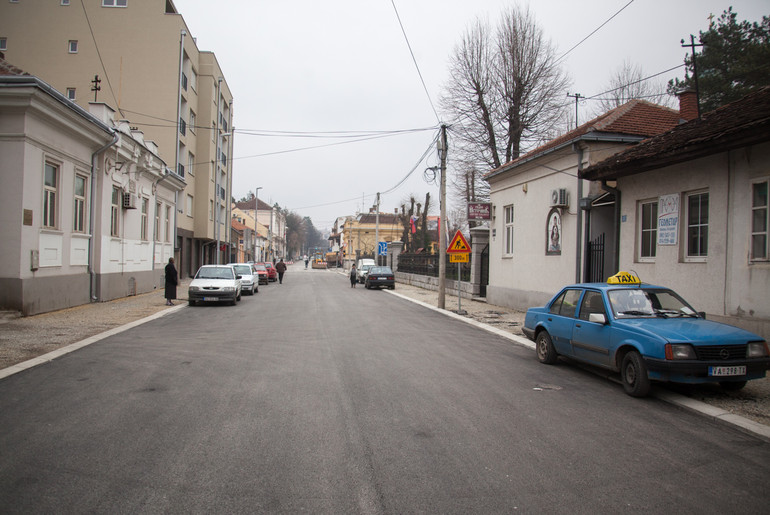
pixel 716 414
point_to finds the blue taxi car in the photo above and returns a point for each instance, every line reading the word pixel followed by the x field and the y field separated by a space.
pixel 647 333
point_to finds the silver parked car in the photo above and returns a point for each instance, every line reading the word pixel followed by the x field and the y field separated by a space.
pixel 215 283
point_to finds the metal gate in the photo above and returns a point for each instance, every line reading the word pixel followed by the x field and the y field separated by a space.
pixel 484 271
pixel 595 260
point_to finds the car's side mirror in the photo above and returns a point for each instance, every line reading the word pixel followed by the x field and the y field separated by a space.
pixel 238 276
pixel 598 318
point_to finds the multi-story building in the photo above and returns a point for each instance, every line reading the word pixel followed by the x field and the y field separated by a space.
pixel 140 58
pixel 273 219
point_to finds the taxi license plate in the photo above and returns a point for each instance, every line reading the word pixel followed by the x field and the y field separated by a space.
pixel 727 371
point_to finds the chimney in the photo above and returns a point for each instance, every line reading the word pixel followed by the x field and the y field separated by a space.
pixel 688 104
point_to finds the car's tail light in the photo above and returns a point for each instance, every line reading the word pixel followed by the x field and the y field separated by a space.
pixel 679 351
pixel 757 350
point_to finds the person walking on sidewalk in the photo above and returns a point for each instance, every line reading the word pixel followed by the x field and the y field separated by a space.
pixel 172 280
pixel 280 267
pixel 353 277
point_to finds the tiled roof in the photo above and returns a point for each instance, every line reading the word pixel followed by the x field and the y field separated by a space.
pixel 385 218
pixel 238 226
pixel 738 124
pixel 7 68
pixel 248 205
pixel 637 118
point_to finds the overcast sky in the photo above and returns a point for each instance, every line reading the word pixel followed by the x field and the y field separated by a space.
pixel 321 66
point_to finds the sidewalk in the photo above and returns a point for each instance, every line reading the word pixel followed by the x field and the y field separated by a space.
pixel 31 341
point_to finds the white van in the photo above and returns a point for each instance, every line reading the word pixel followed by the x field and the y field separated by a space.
pixel 362 268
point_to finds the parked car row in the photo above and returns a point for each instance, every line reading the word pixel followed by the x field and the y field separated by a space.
pixel 226 283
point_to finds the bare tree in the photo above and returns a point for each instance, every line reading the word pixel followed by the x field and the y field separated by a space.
pixel 627 83
pixel 505 89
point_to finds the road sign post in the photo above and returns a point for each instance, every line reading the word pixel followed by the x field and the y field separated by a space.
pixel 459 251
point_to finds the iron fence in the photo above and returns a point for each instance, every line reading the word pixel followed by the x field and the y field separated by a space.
pixel 427 264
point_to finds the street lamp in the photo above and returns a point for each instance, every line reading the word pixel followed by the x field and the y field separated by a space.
pixel 256 220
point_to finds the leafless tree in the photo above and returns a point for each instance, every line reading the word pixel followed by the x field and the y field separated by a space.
pixel 505 89
pixel 627 83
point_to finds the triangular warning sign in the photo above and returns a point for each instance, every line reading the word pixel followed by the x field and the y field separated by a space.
pixel 458 245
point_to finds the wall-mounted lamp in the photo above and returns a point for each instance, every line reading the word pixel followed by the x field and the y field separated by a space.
pixel 524 187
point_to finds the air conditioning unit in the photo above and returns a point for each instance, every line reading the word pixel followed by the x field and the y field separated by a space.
pixel 560 198
pixel 129 201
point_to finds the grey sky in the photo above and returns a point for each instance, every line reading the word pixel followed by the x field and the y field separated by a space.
pixel 343 65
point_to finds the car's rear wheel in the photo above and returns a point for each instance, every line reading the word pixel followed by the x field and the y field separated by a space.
pixel 546 352
pixel 238 298
pixel 732 386
pixel 633 373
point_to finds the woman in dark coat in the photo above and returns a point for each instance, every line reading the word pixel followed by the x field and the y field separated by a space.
pixel 172 280
pixel 353 278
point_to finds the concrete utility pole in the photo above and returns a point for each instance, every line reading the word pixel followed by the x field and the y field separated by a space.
pixel 256 221
pixel 442 152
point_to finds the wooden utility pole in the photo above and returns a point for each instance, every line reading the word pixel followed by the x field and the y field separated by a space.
pixel 442 152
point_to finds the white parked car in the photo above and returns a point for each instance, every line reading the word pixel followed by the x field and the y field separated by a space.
pixel 249 279
pixel 215 283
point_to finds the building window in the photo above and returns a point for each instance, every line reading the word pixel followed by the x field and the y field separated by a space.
pixel 182 126
pixel 117 200
pixel 114 3
pixel 143 228
pixel 184 81
pixel 211 209
pixel 71 94
pixel 73 46
pixel 697 225
pixel 508 242
pixel 167 223
pixel 648 230
pixel 158 206
pixel 3 44
pixel 50 191
pixel 190 162
pixel 193 82
pixel 189 205
pixel 192 121
pixel 79 224
pixel 760 220
pixel 65 2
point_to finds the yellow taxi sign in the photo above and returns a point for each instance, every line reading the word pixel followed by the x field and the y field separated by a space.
pixel 623 278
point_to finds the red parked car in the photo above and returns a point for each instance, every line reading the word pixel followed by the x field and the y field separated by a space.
pixel 272 273
pixel 261 271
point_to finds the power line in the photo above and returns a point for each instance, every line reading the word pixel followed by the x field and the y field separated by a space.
pixel 592 33
pixel 415 60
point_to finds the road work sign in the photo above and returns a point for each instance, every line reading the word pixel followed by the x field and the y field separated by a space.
pixel 458 245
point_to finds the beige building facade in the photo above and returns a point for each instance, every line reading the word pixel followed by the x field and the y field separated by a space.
pixel 146 65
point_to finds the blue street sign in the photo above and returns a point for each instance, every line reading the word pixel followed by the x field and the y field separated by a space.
pixel 382 248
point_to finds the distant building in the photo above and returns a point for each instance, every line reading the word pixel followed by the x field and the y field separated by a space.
pixel 150 69
pixel 274 222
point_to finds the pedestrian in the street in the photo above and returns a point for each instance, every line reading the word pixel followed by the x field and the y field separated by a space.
pixel 353 278
pixel 307 260
pixel 172 281
pixel 280 267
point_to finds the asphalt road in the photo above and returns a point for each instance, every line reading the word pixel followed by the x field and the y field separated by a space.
pixel 312 396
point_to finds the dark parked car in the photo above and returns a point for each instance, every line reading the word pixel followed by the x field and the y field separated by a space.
pixel 380 276
pixel 645 332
